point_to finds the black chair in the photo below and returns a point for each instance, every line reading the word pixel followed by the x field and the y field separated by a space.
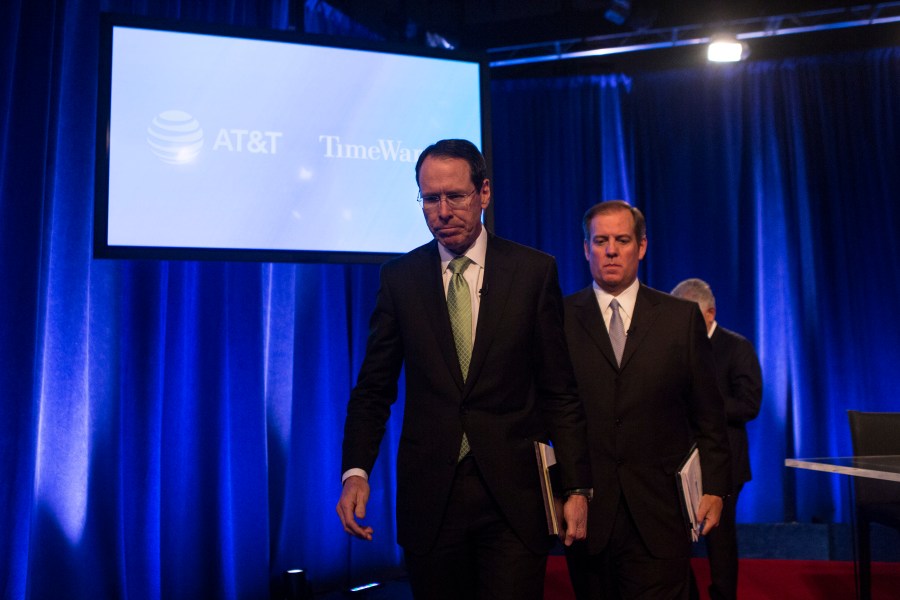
pixel 873 434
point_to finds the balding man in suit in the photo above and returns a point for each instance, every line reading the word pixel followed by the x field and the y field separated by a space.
pixel 740 380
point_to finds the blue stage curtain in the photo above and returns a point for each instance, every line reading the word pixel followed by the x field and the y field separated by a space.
pixel 560 145
pixel 777 182
pixel 167 429
pixel 774 181
pixel 172 429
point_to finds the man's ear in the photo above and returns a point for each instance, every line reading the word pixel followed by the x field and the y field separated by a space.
pixel 485 194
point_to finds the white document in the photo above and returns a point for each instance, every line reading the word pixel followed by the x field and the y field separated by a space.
pixel 690 485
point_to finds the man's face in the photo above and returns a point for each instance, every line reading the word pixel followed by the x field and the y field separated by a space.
pixel 458 228
pixel 613 252
pixel 709 315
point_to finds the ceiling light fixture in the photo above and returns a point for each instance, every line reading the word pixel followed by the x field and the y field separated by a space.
pixel 688 35
pixel 725 49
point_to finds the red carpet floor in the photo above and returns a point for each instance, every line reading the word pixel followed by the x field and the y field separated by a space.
pixel 761 579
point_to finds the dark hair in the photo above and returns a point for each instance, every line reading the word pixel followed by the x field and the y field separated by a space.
pixel 604 208
pixel 463 149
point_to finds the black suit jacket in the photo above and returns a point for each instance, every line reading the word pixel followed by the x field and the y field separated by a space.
pixel 520 388
pixel 740 381
pixel 641 417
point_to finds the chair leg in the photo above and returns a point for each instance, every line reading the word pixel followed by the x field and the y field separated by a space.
pixel 864 552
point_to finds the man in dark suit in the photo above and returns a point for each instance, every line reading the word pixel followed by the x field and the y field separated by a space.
pixel 740 380
pixel 645 376
pixel 470 514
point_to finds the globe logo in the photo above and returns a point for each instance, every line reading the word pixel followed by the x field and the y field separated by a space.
pixel 175 137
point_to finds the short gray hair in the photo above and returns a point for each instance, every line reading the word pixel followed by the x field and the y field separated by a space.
pixel 696 290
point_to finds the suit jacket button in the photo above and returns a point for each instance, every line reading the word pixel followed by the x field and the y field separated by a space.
pixel 618 422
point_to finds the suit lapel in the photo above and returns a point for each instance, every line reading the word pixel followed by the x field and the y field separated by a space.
pixel 434 302
pixel 645 313
pixel 499 273
pixel 591 319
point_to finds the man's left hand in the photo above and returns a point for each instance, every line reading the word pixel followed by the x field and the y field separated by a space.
pixel 709 512
pixel 575 512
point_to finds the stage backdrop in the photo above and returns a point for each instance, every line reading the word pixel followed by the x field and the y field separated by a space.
pixel 777 183
pixel 172 429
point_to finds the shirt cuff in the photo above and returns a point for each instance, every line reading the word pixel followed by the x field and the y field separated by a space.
pixel 586 492
pixel 352 472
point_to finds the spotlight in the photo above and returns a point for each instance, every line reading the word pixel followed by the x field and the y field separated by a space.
pixel 296 586
pixel 725 49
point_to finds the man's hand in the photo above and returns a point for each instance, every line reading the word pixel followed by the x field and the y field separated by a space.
pixel 575 513
pixel 352 504
pixel 709 512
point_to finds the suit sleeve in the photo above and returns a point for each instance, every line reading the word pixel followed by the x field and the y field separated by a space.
pixel 558 391
pixel 744 394
pixel 708 413
pixel 376 388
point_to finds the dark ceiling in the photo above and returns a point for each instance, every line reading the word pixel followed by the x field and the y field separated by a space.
pixel 491 24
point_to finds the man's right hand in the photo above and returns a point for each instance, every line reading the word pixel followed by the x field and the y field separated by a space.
pixel 352 506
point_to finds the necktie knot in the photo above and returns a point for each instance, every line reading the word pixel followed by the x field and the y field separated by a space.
pixel 459 264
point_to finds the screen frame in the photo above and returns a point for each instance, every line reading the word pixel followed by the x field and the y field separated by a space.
pixel 109 21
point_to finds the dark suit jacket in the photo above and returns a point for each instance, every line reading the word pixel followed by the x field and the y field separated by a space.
pixel 641 417
pixel 520 388
pixel 740 381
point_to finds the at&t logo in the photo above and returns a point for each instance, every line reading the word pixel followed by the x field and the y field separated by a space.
pixel 175 137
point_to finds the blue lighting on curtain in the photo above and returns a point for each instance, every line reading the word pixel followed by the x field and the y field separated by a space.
pixel 756 178
pixel 173 429
pixel 775 163
pixel 560 145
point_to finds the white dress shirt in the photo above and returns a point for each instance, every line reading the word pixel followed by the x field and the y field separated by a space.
pixel 627 300
pixel 474 276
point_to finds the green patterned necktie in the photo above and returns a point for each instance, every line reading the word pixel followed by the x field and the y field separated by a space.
pixel 459 304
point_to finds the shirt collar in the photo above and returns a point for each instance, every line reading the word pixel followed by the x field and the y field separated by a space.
pixel 476 251
pixel 627 299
